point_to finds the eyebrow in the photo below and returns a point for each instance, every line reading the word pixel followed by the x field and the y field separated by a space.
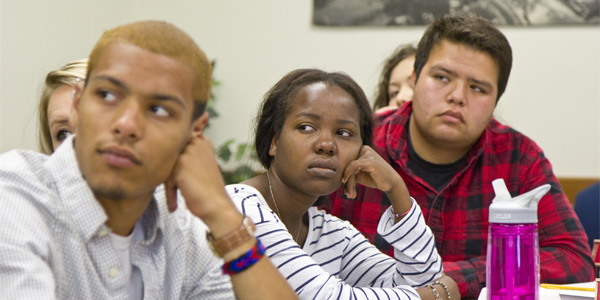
pixel 121 85
pixel 315 116
pixel 486 84
pixel 58 122
pixel 477 81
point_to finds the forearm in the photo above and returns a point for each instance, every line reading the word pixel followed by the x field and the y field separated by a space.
pixel 400 198
pixel 564 252
pixel 261 281
pixel 560 265
pixel 565 256
pixel 414 247
pixel 444 286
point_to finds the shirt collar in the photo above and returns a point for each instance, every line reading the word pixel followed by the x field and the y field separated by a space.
pixel 74 193
pixel 152 220
pixel 79 201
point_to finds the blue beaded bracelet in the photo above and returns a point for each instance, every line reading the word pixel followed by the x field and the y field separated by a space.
pixel 245 261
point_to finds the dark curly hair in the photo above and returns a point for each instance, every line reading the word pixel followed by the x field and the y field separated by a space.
pixel 401 53
pixel 277 102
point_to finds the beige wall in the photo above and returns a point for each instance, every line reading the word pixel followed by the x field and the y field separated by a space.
pixel 553 94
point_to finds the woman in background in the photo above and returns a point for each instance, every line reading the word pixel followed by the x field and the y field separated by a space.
pixel 312 135
pixel 54 108
pixel 395 84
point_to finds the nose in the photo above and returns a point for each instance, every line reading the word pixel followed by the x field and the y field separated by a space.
pixel 404 94
pixel 129 124
pixel 458 94
pixel 325 144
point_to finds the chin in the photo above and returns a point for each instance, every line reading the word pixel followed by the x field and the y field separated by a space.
pixel 110 194
pixel 448 136
pixel 328 189
pixel 108 191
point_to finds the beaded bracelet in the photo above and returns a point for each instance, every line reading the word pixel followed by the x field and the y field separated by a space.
pixel 435 292
pixel 445 288
pixel 400 215
pixel 245 261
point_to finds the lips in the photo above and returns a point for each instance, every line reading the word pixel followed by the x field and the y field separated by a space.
pixel 323 168
pixel 453 114
pixel 119 156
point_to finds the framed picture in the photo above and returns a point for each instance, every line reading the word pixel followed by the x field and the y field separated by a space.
pixel 422 12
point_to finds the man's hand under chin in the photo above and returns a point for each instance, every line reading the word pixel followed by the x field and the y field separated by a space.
pixel 197 175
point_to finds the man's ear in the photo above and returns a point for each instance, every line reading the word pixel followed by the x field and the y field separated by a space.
pixel 74 119
pixel 199 124
pixel 413 78
pixel 273 148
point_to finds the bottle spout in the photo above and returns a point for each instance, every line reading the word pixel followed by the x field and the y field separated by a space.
pixel 519 209
pixel 533 197
pixel 500 190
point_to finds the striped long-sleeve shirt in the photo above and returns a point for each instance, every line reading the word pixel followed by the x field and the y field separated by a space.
pixel 337 261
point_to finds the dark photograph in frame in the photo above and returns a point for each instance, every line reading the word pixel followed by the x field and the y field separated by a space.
pixel 422 12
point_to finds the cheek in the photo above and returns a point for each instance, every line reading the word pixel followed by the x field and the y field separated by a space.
pixel 394 102
pixel 350 153
pixel 482 113
pixel 165 160
pixel 423 105
pixel 480 118
pixel 164 145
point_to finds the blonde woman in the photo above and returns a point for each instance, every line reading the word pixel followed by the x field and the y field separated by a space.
pixel 54 108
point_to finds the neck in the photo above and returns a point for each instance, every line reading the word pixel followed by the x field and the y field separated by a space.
pixel 291 206
pixel 123 214
pixel 434 152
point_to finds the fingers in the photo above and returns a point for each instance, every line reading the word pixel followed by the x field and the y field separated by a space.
pixel 354 166
pixel 370 170
pixel 349 186
pixel 171 194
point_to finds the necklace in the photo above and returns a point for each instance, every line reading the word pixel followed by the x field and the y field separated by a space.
pixel 277 208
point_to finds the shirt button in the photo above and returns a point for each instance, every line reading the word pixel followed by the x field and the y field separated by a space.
pixel 103 232
pixel 113 272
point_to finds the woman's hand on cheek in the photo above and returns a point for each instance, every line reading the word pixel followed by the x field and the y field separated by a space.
pixel 370 170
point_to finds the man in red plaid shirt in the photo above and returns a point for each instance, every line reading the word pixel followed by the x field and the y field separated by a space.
pixel 448 148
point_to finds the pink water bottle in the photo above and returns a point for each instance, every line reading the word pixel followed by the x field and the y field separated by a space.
pixel 513 257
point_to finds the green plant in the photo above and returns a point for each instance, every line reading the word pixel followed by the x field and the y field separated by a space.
pixel 210 105
pixel 238 162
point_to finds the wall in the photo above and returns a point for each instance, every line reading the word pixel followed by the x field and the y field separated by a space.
pixel 553 94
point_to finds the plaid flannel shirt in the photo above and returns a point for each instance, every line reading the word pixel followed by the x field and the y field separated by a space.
pixel 458 214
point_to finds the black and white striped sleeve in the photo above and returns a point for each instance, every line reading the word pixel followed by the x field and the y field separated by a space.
pixel 417 259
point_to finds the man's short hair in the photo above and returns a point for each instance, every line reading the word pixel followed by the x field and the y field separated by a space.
pixel 166 39
pixel 471 31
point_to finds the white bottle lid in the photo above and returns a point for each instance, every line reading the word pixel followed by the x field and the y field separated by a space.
pixel 520 209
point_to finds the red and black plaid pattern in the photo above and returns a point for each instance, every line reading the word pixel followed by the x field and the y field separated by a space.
pixel 458 214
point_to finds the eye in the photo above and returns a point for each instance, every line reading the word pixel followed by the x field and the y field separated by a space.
pixel 62 134
pixel 345 133
pixel 306 128
pixel 441 78
pixel 478 89
pixel 107 96
pixel 159 111
pixel 393 94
